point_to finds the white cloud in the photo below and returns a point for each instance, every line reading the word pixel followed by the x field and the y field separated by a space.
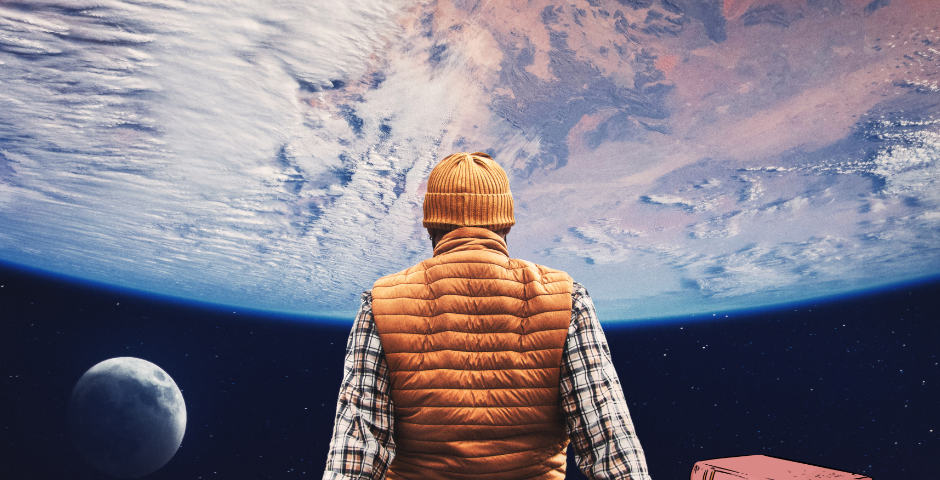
pixel 182 132
pixel 675 201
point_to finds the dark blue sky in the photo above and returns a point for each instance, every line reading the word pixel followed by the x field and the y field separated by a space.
pixel 851 383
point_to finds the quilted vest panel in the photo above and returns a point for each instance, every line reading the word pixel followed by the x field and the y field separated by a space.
pixel 473 341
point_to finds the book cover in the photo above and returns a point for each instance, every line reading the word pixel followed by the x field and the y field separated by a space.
pixel 762 467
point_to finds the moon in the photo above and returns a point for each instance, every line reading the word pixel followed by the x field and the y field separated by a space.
pixel 127 417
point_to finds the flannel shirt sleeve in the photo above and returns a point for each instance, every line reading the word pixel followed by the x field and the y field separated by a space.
pixel 362 445
pixel 599 424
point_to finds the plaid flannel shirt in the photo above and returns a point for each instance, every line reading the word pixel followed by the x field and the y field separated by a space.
pixel 592 401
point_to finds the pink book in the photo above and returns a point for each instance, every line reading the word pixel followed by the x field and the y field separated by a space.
pixel 762 467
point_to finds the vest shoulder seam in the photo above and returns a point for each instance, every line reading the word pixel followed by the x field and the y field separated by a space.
pixel 484 279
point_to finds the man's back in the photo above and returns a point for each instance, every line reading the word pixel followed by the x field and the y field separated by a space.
pixel 473 341
pixel 474 365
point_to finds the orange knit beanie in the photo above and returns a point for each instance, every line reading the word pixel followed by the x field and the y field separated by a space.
pixel 468 190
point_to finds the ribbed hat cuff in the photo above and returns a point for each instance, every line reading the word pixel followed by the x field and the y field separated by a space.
pixel 449 210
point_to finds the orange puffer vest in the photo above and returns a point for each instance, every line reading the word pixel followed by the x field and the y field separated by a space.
pixel 473 341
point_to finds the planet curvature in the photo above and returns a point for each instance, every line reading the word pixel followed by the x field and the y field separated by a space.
pixel 126 417
pixel 674 156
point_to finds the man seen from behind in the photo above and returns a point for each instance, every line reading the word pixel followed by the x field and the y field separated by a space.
pixel 474 365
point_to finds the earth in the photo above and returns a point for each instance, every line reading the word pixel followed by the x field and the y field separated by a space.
pixel 674 156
